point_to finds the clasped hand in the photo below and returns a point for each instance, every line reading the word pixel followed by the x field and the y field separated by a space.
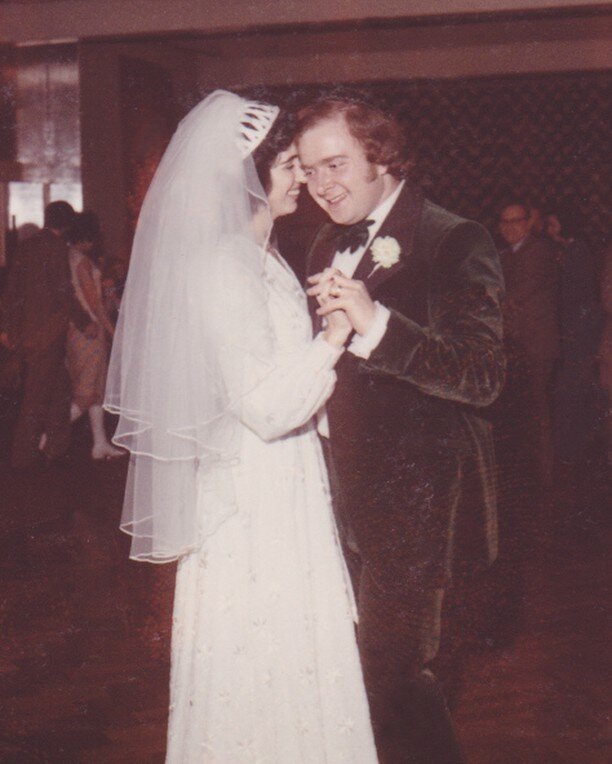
pixel 336 293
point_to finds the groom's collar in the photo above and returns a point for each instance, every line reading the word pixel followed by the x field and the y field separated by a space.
pixel 379 215
pixel 400 223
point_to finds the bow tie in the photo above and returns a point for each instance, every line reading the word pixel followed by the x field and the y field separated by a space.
pixel 352 237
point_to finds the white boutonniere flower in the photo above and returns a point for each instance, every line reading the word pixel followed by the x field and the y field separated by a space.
pixel 385 252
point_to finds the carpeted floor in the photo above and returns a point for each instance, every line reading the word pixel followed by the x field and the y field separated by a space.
pixel 85 632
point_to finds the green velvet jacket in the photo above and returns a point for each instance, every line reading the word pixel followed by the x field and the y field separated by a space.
pixel 413 465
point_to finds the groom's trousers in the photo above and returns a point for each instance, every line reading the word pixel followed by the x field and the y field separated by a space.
pixel 398 635
pixel 409 528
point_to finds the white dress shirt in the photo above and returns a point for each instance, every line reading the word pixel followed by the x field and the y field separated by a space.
pixel 346 261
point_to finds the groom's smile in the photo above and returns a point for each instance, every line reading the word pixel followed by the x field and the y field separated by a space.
pixel 339 176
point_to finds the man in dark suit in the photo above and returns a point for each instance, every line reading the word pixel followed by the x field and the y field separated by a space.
pixel 411 456
pixel 37 304
pixel 531 322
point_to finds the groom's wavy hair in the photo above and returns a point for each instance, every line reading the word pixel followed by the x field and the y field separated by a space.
pixel 379 133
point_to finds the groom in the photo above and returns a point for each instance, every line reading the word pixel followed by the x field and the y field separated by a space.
pixel 411 455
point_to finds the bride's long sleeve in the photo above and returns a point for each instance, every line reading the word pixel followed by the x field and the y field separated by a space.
pixel 273 387
pixel 288 388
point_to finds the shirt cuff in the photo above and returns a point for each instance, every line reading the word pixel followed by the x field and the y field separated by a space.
pixel 362 345
pixel 326 355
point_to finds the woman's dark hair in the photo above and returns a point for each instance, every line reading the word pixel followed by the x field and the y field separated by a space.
pixel 569 219
pixel 279 139
pixel 84 228
pixel 380 134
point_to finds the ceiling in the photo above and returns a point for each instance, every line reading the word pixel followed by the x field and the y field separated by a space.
pixel 31 21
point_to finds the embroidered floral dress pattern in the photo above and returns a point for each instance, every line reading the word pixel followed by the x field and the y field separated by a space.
pixel 264 662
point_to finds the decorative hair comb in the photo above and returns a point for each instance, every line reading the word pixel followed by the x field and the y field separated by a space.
pixel 257 119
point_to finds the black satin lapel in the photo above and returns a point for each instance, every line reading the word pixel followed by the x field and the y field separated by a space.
pixel 400 224
pixel 378 275
pixel 324 250
pixel 366 265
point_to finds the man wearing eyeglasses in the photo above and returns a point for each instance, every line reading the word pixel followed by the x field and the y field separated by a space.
pixel 530 318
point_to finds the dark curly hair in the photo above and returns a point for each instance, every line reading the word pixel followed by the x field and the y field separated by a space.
pixel 379 133
pixel 279 139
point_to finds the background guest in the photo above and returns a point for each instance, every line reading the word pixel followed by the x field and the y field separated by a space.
pixel 87 355
pixel 531 322
pixel 38 302
pixel 113 282
pixel 575 394
pixel 26 231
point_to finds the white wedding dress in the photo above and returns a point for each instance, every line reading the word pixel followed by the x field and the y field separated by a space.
pixel 265 666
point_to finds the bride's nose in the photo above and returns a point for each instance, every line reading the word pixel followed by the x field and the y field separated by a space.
pixel 299 174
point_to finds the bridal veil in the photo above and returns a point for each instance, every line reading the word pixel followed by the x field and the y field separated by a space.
pixel 177 416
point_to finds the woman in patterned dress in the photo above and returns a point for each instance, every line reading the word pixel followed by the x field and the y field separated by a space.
pixel 87 357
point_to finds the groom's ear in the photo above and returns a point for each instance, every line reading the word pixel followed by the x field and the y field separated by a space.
pixel 381 169
pixel 377 171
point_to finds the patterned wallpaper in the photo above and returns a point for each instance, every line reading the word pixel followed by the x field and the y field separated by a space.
pixel 544 137
pixel 479 141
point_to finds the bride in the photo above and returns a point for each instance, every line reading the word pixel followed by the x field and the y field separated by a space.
pixel 217 380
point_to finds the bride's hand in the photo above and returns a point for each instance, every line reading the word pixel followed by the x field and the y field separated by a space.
pixel 338 328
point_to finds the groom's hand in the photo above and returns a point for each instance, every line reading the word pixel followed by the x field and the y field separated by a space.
pixel 344 294
pixel 322 284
